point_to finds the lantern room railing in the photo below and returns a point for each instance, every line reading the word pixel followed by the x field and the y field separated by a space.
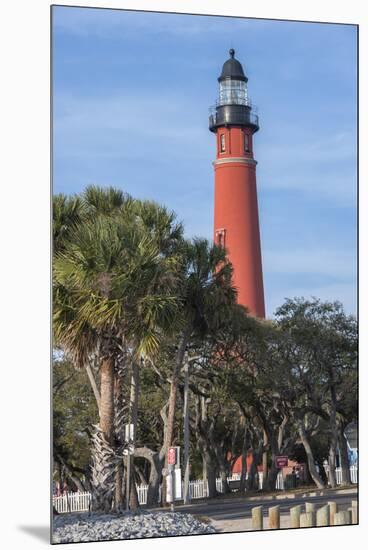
pixel 225 116
pixel 235 101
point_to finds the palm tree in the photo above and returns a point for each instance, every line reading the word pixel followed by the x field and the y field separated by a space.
pixel 206 292
pixel 114 288
pixel 104 200
pixel 71 211
pixel 67 213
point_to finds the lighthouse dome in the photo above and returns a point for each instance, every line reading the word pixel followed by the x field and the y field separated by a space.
pixel 232 69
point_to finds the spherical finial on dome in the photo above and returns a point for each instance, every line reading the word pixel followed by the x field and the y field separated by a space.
pixel 232 52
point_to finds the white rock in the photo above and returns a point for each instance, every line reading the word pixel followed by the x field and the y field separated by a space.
pixel 84 527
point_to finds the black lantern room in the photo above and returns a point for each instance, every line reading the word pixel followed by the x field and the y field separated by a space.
pixel 233 107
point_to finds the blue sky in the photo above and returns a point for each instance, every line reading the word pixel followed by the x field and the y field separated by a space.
pixel 131 98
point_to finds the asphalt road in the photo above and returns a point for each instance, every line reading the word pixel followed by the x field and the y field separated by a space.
pixel 233 510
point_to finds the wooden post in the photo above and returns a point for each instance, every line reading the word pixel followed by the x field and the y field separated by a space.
pixel 274 517
pixel 323 516
pixel 308 519
pixel 342 518
pixel 354 511
pixel 310 507
pixel 333 510
pixel 354 515
pixel 127 495
pixel 295 516
pixel 257 518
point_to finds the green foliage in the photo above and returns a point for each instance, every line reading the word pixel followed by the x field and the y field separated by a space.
pixel 74 411
pixel 112 278
pixel 125 279
pixel 67 214
pixel 318 350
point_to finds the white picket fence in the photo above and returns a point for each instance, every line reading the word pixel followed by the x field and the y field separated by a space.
pixel 279 481
pixel 72 502
pixel 80 502
pixel 353 475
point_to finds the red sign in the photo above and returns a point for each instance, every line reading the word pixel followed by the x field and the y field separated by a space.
pixel 171 455
pixel 281 461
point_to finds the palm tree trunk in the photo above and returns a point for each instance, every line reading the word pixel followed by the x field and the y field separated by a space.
pixel 104 462
pixel 134 395
pixel 92 380
pixel 107 399
pixel 118 387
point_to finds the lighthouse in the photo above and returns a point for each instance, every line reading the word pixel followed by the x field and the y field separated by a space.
pixel 236 225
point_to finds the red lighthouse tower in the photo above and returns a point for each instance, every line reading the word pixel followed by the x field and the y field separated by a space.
pixel 236 206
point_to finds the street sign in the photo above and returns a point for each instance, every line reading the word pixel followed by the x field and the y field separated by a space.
pixel 281 461
pixel 129 432
pixel 171 455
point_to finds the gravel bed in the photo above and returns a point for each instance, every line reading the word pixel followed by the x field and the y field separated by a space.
pixel 85 527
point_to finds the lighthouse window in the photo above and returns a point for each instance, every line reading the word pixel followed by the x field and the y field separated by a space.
pixel 246 143
pixel 220 237
pixel 222 143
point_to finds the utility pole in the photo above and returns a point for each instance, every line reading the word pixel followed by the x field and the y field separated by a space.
pixel 186 496
pixel 203 419
pixel 129 439
pixel 128 483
